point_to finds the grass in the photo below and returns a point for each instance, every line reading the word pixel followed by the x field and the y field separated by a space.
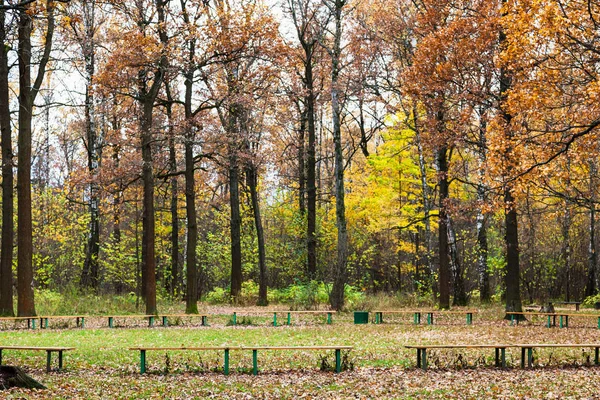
pixel 102 367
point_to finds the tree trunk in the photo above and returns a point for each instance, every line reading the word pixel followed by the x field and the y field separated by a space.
pixel 459 293
pixel 481 221
pixel 252 181
pixel 425 193
pixel 25 303
pixel 6 248
pixel 311 168
pixel 236 222
pixel 148 217
pixel 590 287
pixel 174 279
pixel 339 274
pixel 90 273
pixel 513 273
pixel 191 298
pixel 302 161
pixel 444 271
pixel 567 249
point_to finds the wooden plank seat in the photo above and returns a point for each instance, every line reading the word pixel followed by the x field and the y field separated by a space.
pixel 235 314
pixel 79 319
pixel 417 315
pixel 422 351
pixel 111 318
pixel 254 349
pixel 165 318
pixel 31 321
pixel 48 350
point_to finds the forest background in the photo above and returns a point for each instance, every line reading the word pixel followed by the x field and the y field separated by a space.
pixel 305 149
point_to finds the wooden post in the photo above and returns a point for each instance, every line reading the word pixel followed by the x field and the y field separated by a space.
pixel 142 361
pixel 338 361
pixel 254 362
pixel 226 364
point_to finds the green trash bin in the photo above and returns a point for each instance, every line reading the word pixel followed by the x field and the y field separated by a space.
pixel 361 317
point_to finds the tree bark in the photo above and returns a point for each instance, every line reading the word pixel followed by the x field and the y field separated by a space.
pixel 235 229
pixel 27 95
pixel 90 273
pixel 481 221
pixel 339 274
pixel 302 161
pixel 444 271
pixel 459 293
pixel 513 273
pixel 590 287
pixel 174 278
pixel 252 182
pixel 6 248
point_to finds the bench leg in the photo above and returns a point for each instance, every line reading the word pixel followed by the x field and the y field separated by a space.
pixel 150 322
pixel 377 318
pixel 561 321
pixel 254 362
pixel 165 321
pixel 338 361
pixel 497 357
pixel 530 357
pixel 418 358
pixel 469 318
pixel 226 363
pixel 82 322
pixel 417 318
pixel 429 318
pixel 522 357
pixel 566 321
pixel 142 361
pixel 110 322
pixel 204 322
pixel 424 359
pixel 596 358
pixel 289 319
pixel 48 360
pixel 60 360
pixel 234 319
pixel 548 324
pixel 503 356
pixel 328 318
pixel 274 319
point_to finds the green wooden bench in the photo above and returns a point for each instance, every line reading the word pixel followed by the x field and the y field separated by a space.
pixel 275 312
pixel 31 321
pixel 422 351
pixel 227 349
pixel 575 303
pixel 551 317
pixel 527 350
pixel 165 318
pixel 417 315
pixel 79 320
pixel 48 350
pixel 111 319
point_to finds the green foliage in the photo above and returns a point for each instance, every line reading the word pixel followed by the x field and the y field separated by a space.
pixel 218 296
pixel 591 301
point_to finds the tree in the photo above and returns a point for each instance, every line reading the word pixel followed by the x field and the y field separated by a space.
pixel 6 248
pixel 28 91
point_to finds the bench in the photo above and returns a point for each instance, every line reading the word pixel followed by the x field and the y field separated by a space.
pixel 31 321
pixel 48 350
pixel 422 352
pixel 165 318
pixel 526 351
pixel 576 303
pixel 227 349
pixel 528 348
pixel 112 318
pixel 274 312
pixel 417 315
pixel 551 318
pixel 79 320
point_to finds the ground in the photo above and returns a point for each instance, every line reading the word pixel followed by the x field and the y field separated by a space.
pixel 102 368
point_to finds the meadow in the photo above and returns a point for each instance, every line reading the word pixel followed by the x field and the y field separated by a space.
pixel 379 366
